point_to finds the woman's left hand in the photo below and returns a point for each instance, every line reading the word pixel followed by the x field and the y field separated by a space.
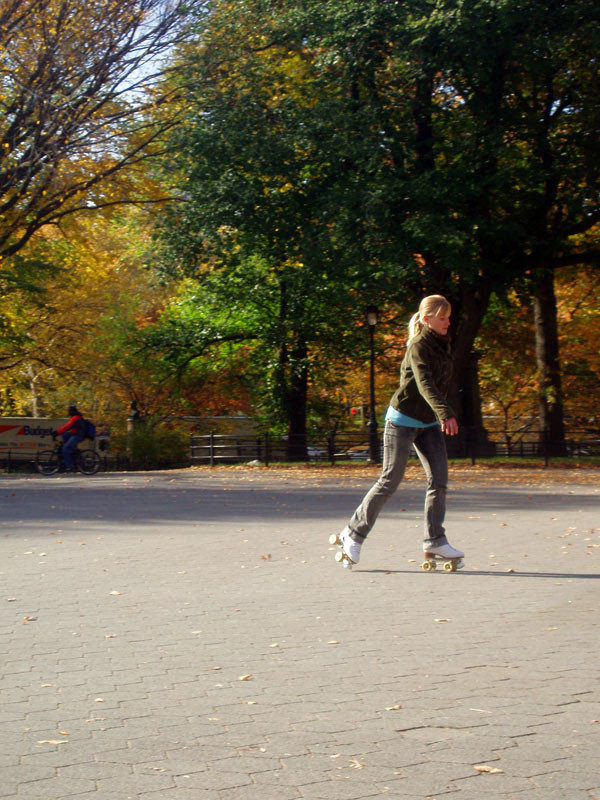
pixel 450 426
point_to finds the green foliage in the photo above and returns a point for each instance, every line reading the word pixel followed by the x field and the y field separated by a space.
pixel 344 153
pixel 283 199
pixel 151 443
pixel 507 369
pixel 330 155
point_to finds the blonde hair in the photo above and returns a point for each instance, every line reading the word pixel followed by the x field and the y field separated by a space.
pixel 434 305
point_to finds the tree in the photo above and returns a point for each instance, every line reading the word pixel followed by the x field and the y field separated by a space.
pixel 389 150
pixel 76 80
pixel 71 338
pixel 270 162
pixel 560 204
pixel 509 376
pixel 579 327
pixel 535 122
pixel 507 366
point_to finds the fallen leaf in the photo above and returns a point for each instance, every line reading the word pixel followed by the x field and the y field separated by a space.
pixel 53 741
pixel 487 769
pixel 266 557
pixel 442 619
pixel 394 708
pixel 29 619
pixel 244 677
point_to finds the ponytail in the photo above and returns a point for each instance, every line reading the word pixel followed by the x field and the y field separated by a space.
pixel 415 326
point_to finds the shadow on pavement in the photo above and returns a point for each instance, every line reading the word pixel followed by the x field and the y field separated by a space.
pixel 477 573
pixel 197 501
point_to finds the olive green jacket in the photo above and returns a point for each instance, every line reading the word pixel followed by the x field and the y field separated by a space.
pixel 424 378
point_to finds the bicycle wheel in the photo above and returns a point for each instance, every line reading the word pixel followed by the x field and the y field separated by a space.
pixel 47 462
pixel 88 462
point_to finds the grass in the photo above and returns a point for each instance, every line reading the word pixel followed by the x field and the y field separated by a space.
pixel 530 462
pixel 495 462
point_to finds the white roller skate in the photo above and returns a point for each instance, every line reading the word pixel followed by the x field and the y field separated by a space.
pixel 450 557
pixel 348 550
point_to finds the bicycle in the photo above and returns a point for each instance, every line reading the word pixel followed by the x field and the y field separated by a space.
pixel 49 462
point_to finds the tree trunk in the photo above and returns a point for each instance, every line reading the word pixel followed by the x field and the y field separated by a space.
pixel 296 405
pixel 550 401
pixel 36 403
pixel 474 298
pixel 464 394
pixel 292 381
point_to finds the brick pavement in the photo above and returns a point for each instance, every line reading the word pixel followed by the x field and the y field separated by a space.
pixel 188 636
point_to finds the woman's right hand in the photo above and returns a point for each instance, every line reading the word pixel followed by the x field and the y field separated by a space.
pixel 450 426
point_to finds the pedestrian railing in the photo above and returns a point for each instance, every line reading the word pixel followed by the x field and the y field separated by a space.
pixel 346 446
pixel 267 448
pixel 338 446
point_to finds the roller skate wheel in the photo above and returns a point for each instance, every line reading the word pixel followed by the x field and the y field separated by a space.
pixel 428 566
pixel 339 556
pixel 334 539
pixel 449 566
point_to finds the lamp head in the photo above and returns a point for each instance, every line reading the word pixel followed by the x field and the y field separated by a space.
pixel 372 315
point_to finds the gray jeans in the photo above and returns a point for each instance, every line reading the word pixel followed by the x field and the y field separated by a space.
pixel 431 448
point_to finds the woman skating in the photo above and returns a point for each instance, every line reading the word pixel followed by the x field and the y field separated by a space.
pixel 419 415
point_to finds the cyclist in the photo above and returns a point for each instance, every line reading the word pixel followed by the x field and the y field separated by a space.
pixel 72 432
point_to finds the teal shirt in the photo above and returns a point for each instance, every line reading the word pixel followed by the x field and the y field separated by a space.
pixel 398 418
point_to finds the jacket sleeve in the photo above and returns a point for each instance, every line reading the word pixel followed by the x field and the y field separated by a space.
pixel 426 384
pixel 72 423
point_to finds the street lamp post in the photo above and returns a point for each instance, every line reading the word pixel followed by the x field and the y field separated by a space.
pixel 372 423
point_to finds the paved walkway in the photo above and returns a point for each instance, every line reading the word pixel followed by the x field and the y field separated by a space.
pixel 189 636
